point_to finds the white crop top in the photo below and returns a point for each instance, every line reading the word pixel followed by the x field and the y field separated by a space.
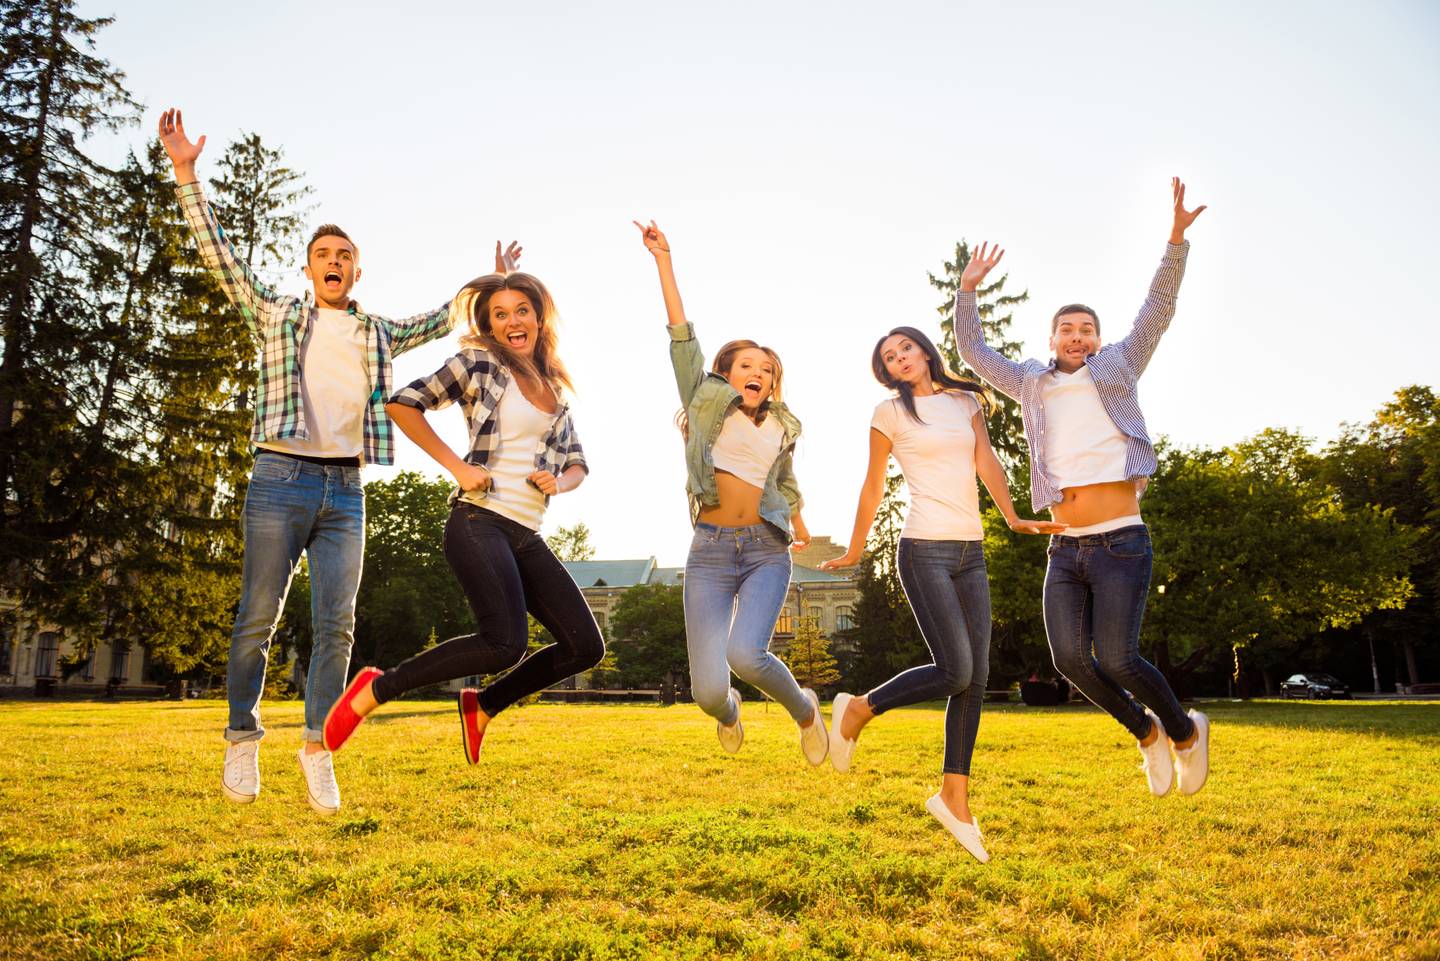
pixel 1082 444
pixel 938 460
pixel 522 428
pixel 746 449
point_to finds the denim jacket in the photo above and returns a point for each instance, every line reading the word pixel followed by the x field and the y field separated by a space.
pixel 708 399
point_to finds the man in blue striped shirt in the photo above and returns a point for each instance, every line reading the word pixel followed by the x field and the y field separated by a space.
pixel 1090 457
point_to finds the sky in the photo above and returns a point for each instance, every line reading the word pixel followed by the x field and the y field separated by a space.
pixel 811 163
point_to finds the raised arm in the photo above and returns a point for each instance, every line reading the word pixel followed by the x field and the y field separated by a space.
pixel 685 354
pixel 872 491
pixel 1159 308
pixel 992 473
pixel 1005 374
pixel 255 300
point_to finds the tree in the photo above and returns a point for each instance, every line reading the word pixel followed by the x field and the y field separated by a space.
pixel 809 657
pixel 648 627
pixel 572 543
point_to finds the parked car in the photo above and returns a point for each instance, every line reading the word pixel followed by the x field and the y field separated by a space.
pixel 1314 686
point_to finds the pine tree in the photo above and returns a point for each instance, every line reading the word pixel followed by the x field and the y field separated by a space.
pixel 809 657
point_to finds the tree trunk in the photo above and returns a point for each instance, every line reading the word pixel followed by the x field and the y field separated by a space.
pixel 1410 664
pixel 1374 667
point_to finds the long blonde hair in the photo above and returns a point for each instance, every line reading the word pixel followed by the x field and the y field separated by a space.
pixel 724 360
pixel 474 303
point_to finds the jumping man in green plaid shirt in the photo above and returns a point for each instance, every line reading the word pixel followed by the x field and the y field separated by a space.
pixel 324 378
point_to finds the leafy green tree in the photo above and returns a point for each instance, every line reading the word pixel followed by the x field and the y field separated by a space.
pixel 1015 564
pixel 808 656
pixel 648 626
pixel 572 543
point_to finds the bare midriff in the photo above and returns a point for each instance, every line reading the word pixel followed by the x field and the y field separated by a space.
pixel 739 503
pixel 1095 503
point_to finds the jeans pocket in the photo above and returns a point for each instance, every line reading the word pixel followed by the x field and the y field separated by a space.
pixel 1130 545
pixel 274 467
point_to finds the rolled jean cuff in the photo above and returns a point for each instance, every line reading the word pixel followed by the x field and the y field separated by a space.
pixel 878 707
pixel 240 737
pixel 310 734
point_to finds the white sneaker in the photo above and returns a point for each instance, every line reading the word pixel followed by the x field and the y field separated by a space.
pixel 1193 763
pixel 840 748
pixel 814 741
pixel 733 736
pixel 968 835
pixel 1159 769
pixel 241 780
pixel 320 788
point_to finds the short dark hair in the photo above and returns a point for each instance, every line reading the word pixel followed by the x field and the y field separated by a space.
pixel 329 230
pixel 1074 309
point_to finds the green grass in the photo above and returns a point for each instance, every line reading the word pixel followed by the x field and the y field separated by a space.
pixel 624 832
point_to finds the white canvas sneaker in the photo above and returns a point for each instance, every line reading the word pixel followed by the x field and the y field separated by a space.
pixel 733 736
pixel 320 788
pixel 1193 763
pixel 241 780
pixel 968 835
pixel 840 748
pixel 1159 769
pixel 814 741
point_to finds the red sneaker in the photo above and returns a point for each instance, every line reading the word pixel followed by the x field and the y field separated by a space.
pixel 342 720
pixel 470 733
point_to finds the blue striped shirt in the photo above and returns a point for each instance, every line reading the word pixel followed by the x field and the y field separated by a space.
pixel 1115 370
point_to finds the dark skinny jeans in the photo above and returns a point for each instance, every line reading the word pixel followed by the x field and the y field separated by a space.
pixel 949 592
pixel 505 569
pixel 1095 590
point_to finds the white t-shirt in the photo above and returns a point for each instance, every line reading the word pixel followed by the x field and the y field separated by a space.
pixel 938 460
pixel 746 449
pixel 1082 444
pixel 334 388
pixel 522 427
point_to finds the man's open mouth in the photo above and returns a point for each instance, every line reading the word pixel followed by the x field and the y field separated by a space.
pixel 332 276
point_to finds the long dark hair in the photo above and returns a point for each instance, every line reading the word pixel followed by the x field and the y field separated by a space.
pixel 939 373
pixel 473 301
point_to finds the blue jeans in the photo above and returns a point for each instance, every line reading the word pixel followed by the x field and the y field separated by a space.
pixel 735 584
pixel 1095 590
pixel 294 506
pixel 946 586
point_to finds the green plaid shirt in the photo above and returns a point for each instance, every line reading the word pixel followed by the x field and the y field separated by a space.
pixel 280 323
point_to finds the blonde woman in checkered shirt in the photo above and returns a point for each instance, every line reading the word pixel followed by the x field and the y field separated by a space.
pixel 509 381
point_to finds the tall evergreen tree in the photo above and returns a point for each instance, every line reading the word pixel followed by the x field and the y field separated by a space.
pixel 808 656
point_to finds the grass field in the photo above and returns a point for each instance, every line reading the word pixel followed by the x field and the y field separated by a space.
pixel 624 832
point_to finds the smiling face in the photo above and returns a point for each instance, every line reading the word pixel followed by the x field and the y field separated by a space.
pixel 333 268
pixel 752 374
pixel 514 321
pixel 1076 336
pixel 905 361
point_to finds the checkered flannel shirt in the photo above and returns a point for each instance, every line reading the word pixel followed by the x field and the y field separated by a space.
pixel 280 322
pixel 1115 370
pixel 477 381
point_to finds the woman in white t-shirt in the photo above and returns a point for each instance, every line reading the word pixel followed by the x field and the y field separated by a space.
pixel 935 428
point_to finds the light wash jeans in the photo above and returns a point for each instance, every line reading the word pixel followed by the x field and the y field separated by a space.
pixel 735 584
pixel 294 506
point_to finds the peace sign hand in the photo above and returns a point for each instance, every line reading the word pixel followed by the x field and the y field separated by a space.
pixel 654 239
pixel 982 261
pixel 1183 218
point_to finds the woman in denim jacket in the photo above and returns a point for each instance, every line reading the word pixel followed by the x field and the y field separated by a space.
pixel 744 503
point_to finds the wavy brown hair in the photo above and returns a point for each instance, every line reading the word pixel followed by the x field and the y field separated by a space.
pixel 474 303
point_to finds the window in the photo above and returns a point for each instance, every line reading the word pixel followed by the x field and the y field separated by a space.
pixel 786 623
pixel 5 653
pixel 817 616
pixel 45 656
pixel 600 620
pixel 87 670
pixel 844 620
pixel 119 662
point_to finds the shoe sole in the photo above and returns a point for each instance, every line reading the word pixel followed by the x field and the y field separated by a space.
pixel 236 796
pixel 739 727
pixel 837 740
pixel 471 757
pixel 814 700
pixel 1206 738
pixel 316 805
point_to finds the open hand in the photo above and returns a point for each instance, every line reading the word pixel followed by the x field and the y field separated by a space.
pixel 545 482
pixel 1027 525
pixel 183 153
pixel 507 261
pixel 655 241
pixel 1183 218
pixel 982 261
pixel 472 478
